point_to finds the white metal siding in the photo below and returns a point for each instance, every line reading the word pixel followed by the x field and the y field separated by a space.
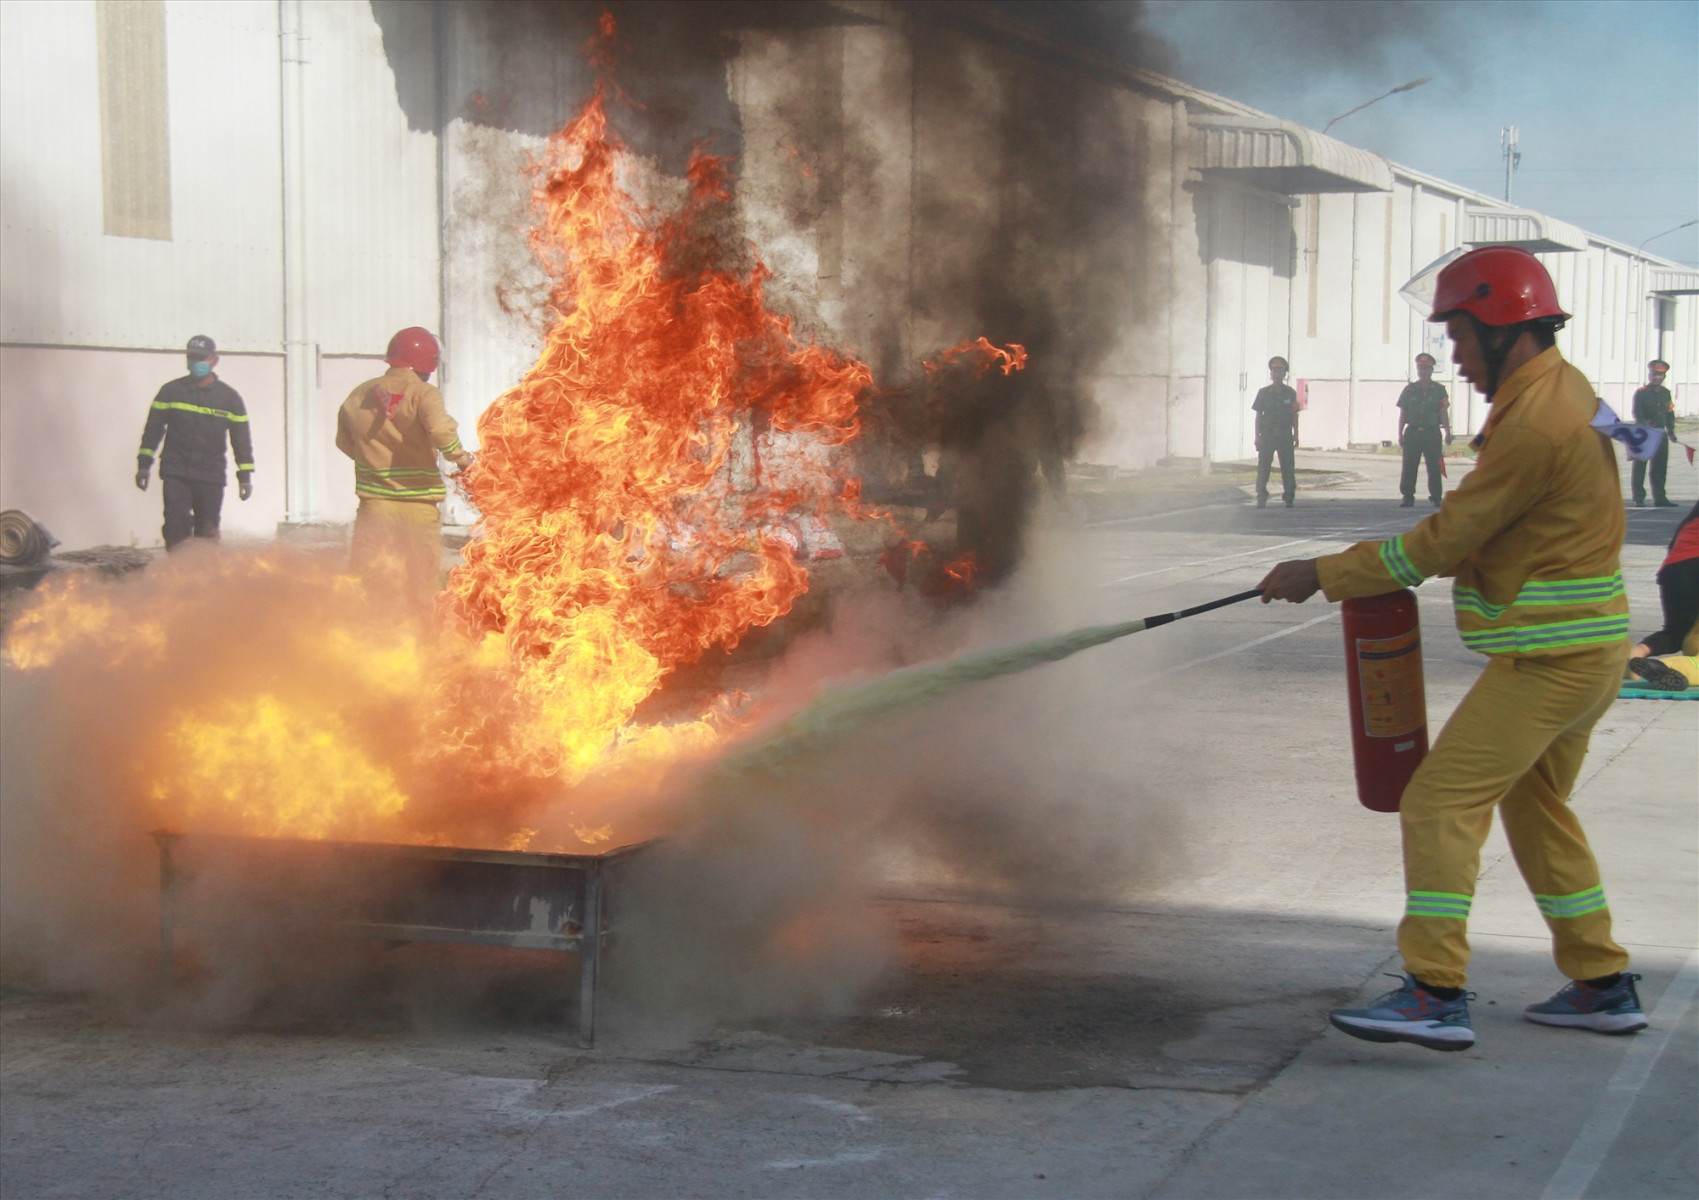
pixel 66 281
pixel 372 239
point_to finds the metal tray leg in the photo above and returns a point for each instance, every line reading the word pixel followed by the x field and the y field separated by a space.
pixel 589 955
pixel 167 907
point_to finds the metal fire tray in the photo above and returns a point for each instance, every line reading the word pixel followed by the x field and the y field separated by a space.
pixel 398 894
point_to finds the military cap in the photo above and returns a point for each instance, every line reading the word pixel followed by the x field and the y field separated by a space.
pixel 1424 356
pixel 1278 359
pixel 1658 364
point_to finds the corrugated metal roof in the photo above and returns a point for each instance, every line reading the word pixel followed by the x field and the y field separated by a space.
pixel 1675 281
pixel 1284 157
pixel 1534 232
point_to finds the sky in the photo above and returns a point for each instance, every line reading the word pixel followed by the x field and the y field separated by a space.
pixel 1606 95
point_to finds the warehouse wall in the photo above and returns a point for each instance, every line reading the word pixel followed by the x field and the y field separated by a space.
pixel 95 309
pixel 896 178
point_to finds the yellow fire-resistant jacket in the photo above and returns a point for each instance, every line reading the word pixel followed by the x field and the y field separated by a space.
pixel 1533 534
pixel 395 452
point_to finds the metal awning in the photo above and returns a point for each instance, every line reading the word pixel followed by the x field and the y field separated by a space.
pixel 1675 281
pixel 1534 232
pixel 1282 157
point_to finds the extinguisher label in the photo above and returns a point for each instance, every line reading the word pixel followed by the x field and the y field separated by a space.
pixel 1389 671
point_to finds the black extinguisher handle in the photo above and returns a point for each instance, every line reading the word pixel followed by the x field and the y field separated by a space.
pixel 1165 618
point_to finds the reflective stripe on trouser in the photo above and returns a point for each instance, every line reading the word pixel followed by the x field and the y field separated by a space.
pixel 397 544
pixel 1516 743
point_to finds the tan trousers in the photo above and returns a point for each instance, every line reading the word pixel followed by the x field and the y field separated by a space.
pixel 397 545
pixel 1515 743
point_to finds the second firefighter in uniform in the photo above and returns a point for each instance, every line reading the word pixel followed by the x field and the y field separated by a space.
pixel 393 427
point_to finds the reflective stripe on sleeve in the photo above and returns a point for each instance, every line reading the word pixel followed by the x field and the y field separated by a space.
pixel 144 452
pixel 1438 904
pixel 1398 564
pixel 452 448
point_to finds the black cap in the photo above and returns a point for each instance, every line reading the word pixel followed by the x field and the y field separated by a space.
pixel 1281 361
pixel 1658 364
pixel 1430 358
pixel 202 346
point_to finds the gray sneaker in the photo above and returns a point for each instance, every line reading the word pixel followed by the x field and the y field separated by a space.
pixel 1615 1009
pixel 1410 1013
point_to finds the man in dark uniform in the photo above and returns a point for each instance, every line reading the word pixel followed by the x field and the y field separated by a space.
pixel 1424 428
pixel 194 415
pixel 1654 406
pixel 1276 407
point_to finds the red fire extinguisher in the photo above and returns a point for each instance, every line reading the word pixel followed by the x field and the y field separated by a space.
pixel 1389 713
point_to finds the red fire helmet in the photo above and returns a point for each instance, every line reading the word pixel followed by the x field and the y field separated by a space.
pixel 1498 285
pixel 416 348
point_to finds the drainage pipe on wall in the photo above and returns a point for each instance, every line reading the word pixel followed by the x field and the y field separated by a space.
pixel 1351 387
pixel 300 358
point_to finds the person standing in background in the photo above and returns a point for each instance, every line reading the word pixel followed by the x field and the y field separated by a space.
pixel 1654 407
pixel 193 415
pixel 1276 407
pixel 1424 429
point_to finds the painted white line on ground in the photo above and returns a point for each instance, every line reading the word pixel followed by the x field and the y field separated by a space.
pixel 1190 663
pixel 1601 1129
pixel 1203 562
pixel 1326 535
pixel 1170 512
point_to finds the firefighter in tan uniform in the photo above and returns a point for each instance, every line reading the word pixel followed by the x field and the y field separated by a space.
pixel 393 427
pixel 1532 537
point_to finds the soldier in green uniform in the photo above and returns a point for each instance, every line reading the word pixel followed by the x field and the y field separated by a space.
pixel 1654 406
pixel 1424 427
pixel 1276 407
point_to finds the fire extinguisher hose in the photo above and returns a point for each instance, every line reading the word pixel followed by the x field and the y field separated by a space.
pixel 837 710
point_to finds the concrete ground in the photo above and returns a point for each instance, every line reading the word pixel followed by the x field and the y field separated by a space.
pixel 1170 1045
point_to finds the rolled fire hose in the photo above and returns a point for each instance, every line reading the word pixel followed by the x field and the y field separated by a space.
pixel 23 543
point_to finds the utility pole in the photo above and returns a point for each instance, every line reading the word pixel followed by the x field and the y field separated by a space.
pixel 1507 136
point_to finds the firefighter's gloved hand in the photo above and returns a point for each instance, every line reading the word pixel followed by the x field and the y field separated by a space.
pixel 244 485
pixel 141 478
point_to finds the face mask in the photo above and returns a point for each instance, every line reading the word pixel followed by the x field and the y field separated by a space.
pixel 200 370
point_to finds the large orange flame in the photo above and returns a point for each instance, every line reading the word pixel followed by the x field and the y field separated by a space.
pixel 619 538
pixel 652 488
